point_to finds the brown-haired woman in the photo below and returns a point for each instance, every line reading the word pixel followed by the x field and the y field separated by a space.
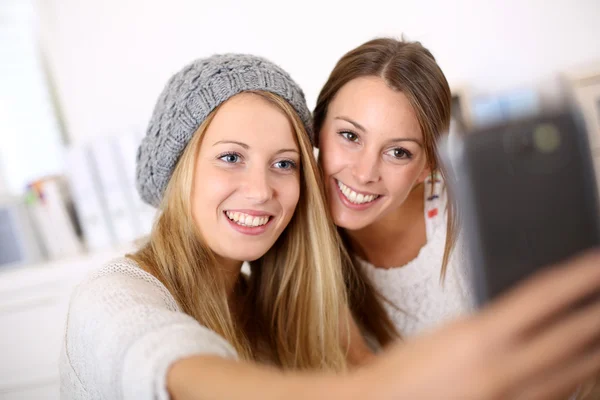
pixel 378 119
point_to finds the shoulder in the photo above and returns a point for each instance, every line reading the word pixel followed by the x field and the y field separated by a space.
pixel 120 282
pixel 123 326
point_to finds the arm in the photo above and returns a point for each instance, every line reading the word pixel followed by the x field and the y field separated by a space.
pixel 516 346
pixel 537 341
pixel 208 378
pixel 126 339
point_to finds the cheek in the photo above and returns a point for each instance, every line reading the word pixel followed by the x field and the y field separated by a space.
pixel 332 156
pixel 400 183
pixel 289 194
pixel 210 190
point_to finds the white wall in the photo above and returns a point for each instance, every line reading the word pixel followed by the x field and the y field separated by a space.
pixel 3 186
pixel 30 140
pixel 111 57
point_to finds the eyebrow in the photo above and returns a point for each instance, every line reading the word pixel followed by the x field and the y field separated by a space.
pixel 362 128
pixel 407 140
pixel 356 124
pixel 245 146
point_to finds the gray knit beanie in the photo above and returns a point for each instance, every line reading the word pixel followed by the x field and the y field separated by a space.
pixel 189 97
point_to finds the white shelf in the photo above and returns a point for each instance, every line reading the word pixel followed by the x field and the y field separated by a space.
pixel 18 277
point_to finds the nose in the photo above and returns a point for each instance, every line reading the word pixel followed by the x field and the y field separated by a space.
pixel 258 188
pixel 366 167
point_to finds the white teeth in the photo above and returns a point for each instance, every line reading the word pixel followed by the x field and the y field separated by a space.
pixel 247 220
pixel 354 197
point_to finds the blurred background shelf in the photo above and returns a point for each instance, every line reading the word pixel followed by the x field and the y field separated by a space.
pixel 14 280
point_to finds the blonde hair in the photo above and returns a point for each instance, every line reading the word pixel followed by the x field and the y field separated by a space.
pixel 295 293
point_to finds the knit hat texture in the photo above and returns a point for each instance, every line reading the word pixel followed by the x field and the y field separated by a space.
pixel 187 100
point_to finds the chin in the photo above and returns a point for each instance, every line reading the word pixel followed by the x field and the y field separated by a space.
pixel 349 222
pixel 252 257
pixel 247 254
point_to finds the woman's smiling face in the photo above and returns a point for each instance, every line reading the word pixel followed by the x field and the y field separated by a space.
pixel 371 151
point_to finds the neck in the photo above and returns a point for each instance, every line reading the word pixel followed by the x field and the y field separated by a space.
pixel 231 270
pixel 395 238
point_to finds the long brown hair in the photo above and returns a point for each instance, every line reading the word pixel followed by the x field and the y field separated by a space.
pixel 410 68
pixel 295 292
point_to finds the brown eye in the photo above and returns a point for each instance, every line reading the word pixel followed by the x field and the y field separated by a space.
pixel 400 154
pixel 350 136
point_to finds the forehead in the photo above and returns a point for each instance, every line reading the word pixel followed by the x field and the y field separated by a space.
pixel 249 118
pixel 378 108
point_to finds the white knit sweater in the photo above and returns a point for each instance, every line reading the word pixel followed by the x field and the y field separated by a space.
pixel 124 329
pixel 421 301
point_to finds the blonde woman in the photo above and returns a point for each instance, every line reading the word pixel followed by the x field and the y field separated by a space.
pixel 228 159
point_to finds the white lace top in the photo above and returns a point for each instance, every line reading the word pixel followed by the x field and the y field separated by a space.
pixel 422 301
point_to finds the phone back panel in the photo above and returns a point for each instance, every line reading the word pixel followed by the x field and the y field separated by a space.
pixel 527 194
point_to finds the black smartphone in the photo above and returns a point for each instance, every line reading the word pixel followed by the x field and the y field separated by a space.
pixel 527 197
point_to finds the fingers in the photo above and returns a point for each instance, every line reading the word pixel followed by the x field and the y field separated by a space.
pixel 555 346
pixel 542 296
pixel 563 381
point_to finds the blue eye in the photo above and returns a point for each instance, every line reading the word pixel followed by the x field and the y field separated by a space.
pixel 285 164
pixel 230 158
pixel 350 136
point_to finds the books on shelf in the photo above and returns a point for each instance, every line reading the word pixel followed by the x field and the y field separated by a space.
pixel 50 205
pixel 102 178
pixel 126 148
pixel 19 242
pixel 85 189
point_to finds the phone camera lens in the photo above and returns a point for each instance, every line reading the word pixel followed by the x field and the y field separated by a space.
pixel 546 138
